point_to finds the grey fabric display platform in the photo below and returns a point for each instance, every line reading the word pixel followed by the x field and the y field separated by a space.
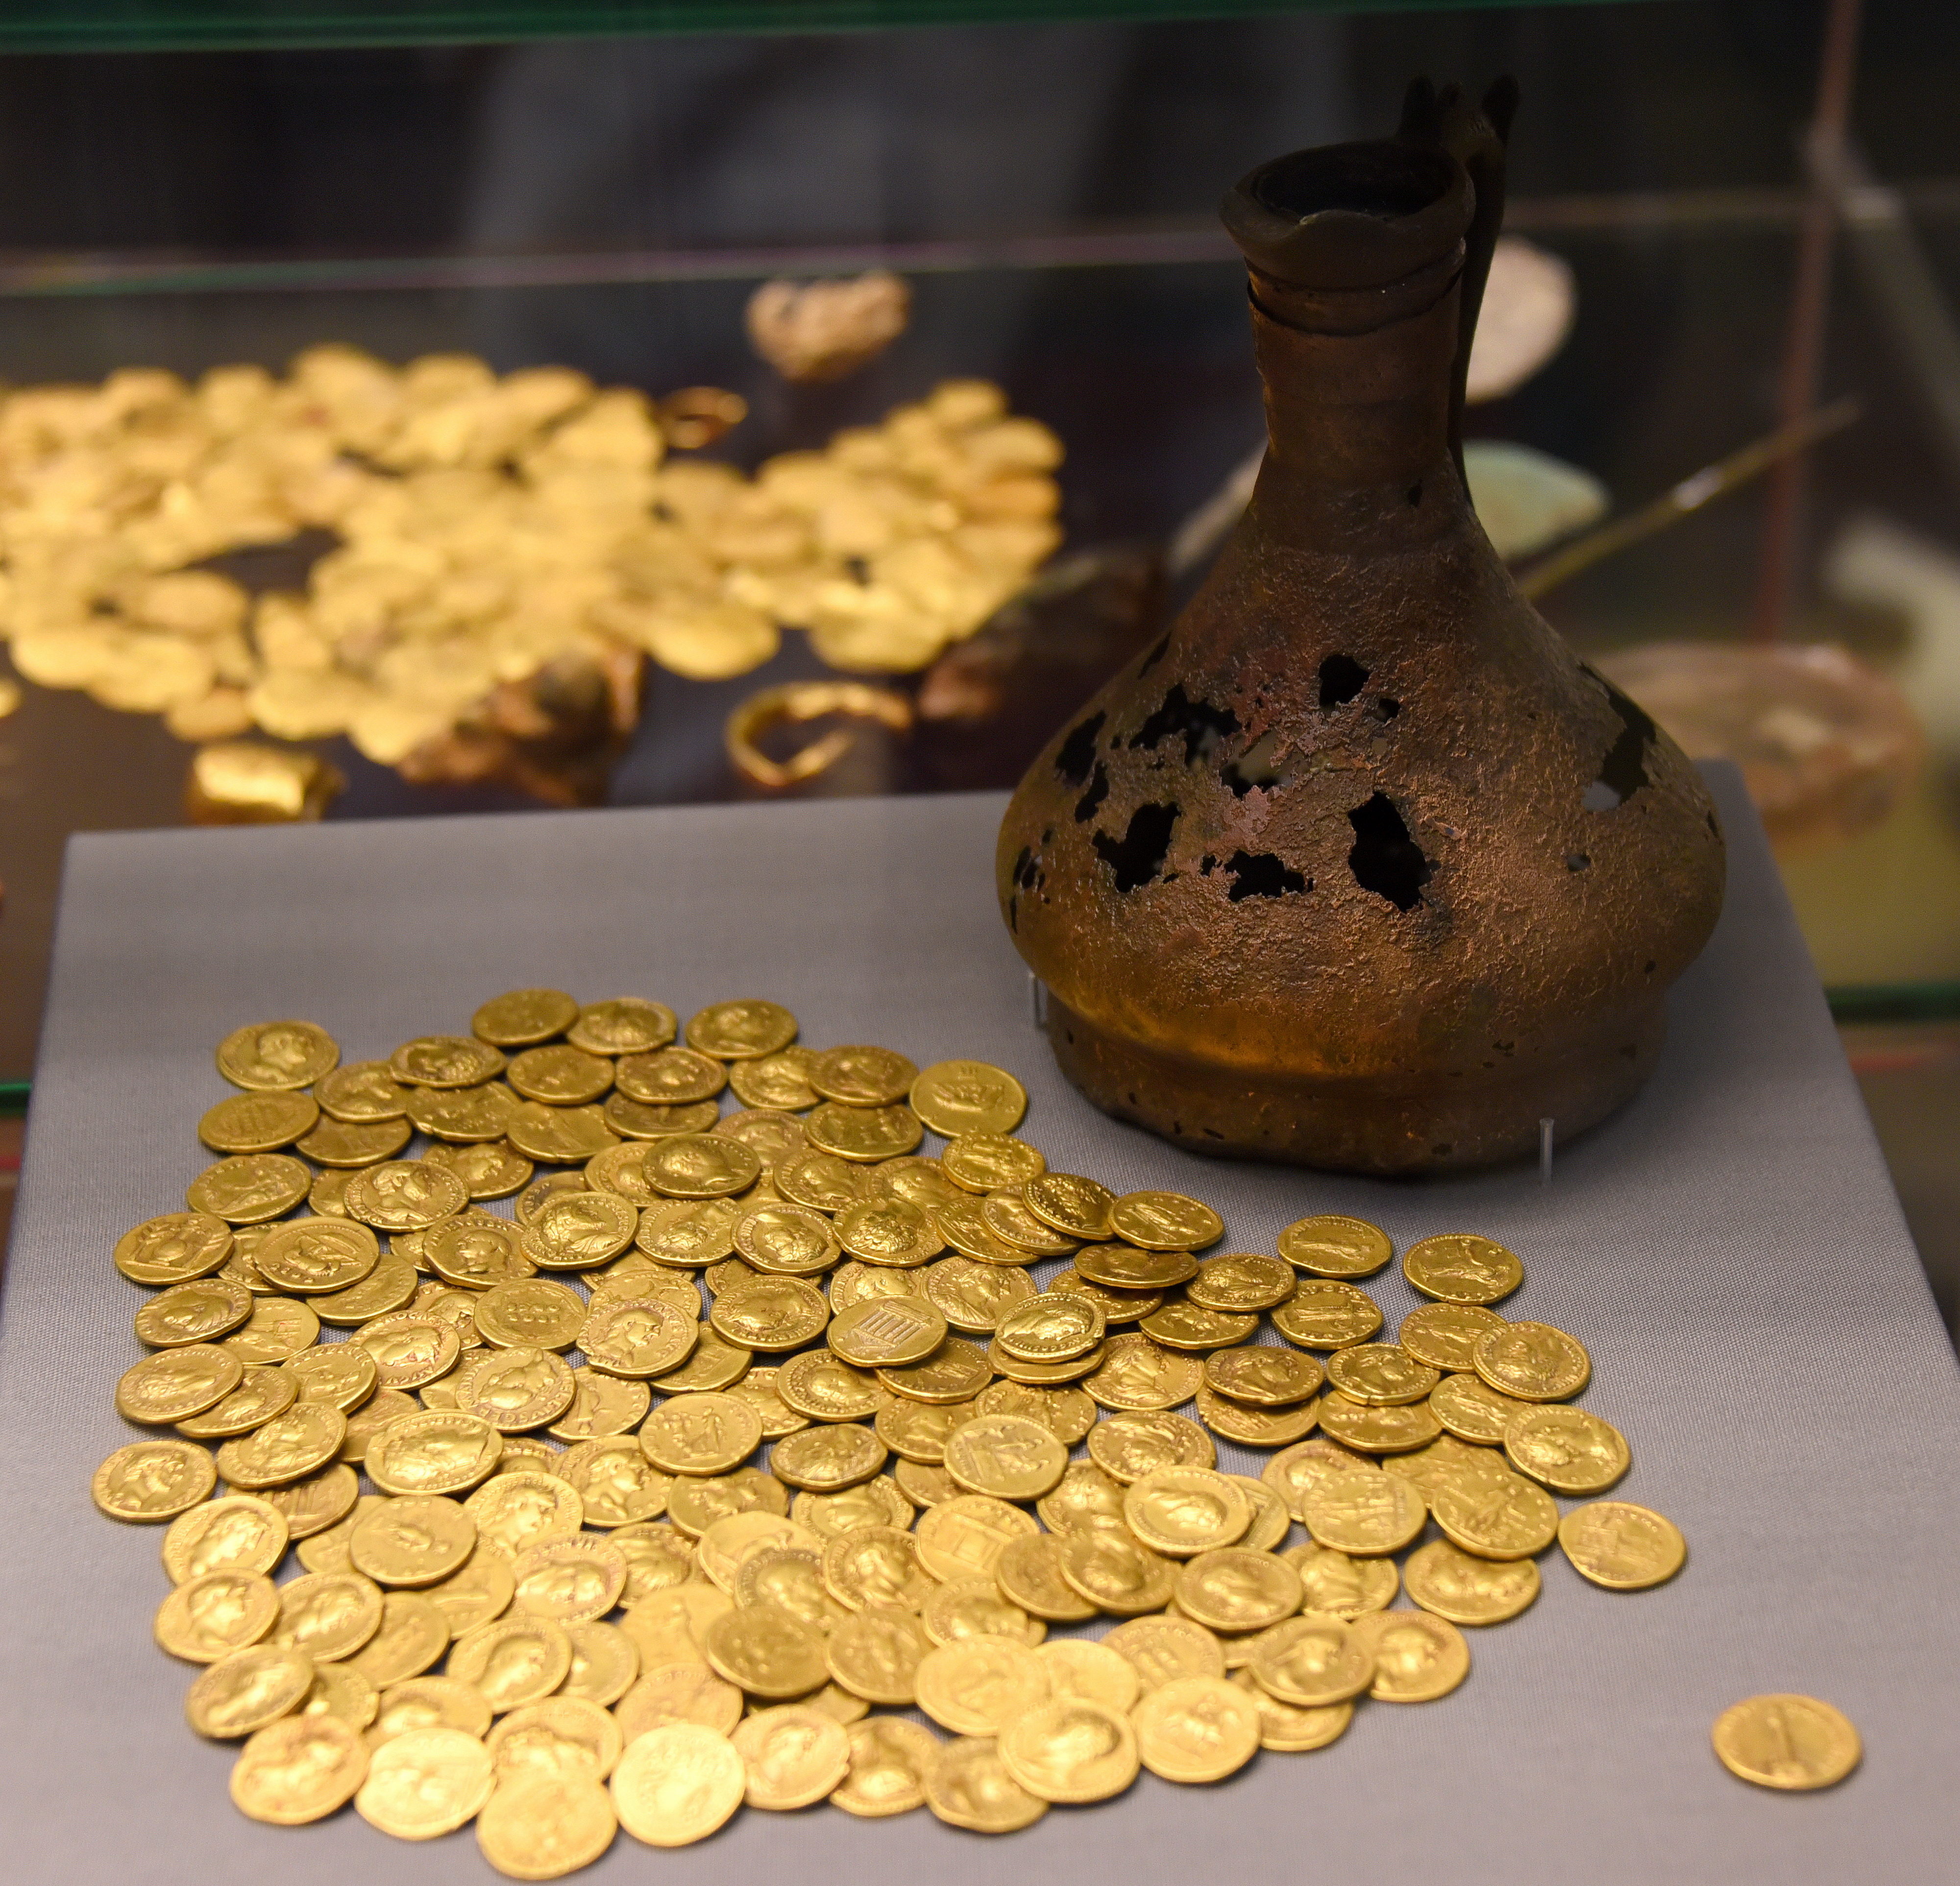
pixel 1729 1249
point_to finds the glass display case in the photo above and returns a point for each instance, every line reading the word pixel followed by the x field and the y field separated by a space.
pixel 602 191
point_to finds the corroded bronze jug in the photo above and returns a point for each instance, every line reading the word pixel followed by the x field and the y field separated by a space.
pixel 1360 866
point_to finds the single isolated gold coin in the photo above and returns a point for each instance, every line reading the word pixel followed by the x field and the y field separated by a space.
pixel 1792 1743
pixel 522 1017
pixel 1621 1547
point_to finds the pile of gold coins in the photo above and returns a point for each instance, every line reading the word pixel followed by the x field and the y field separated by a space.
pixel 621 1563
pixel 488 528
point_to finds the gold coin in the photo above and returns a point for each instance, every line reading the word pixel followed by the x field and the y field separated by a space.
pixel 1470 1409
pixel 1418 1655
pixel 439 1452
pixel 463 1116
pixel 445 1060
pixel 963 1538
pixel 1382 1375
pixel 689 1234
pixel 924 1484
pixel 174 1248
pixel 1114 1572
pixel 917 1178
pixel 675 1693
pixel 1242 1282
pixel 544 1827
pixel 535 1314
pixel 991 1162
pixel 602 1405
pixel 789 1239
pixel 864 1133
pixel 670 1077
pixel 1076 1207
pixel 766 1651
pixel 1327 1315
pixel 246 1690
pixel 888 1231
pixel 741 1030
pixel 974 1296
pixel 1067 1413
pixel 1786 1742
pixel 1052 1327
pixel 820 1386
pixel 958 1098
pixel 329 1615
pixel 516 1389
pixel 700 1166
pixel 579 1231
pixel 1330 1245
pixel 512 1660
pixel 573 1580
pixel 823 1182
pixel 1187 1326
pixel 424 1783
pixel 1294 1471
pixel 700 1434
pixel 657 1559
pixel 1378 1430
pixel 412 1541
pixel 890 1759
pixel 1164 1221
pixel 341 1143
pixel 637 1119
pixel 210 1616
pixel 339 1691
pixel 390 1286
pixel 1179 1511
pixel 861 1076
pixel 955 1371
pixel 521 1016
pixel 852 1282
pixel 1446 1335
pixel 1506 1518
pixel 239 1532
pixel 1005 1455
pixel 1197 1729
pixel 1230 1587
pixel 560 1075
pixel 696 1501
pixel 963 1224
pixel 875 1653
pixel 974 1607
pixel 288 1447
pixel 1467 1590
pixel 1460 1267
pixel 624 1024
pixel 414 1633
pixel 976 1685
pixel 559 1135
pixel 774 1313
pixel 917 1431
pixel 409 1352
pixel 1253 1426
pixel 422 1703
pixel 1080 1670
pixel 1621 1546
pixel 1532 1361
pixel 1007 1215
pixel 1338 1586
pixel 1446 1459
pixel 875 1566
pixel 792 1755
pixel 276 1056
pixel 828 1458
pixel 316 1256
pixel 405 1195
pixel 362 1091
pixel 321 1500
pixel 1569 1449
pixel 249 1188
pixel 299 1768
pixel 774 1137
pixel 1263 1377
pixel 486 1171
pixel 1314 1661
pixel 1135 1373
pixel 677 1783
pixel 604 1663
pixel 257 1122
pixel 174 1384
pixel 1290 1731
pixel 887 1333
pixel 1118 1306
pixel 1071 1751
pixel 971 1786
pixel 780 1082
pixel 639 1337
pixel 1124 1267
pixel 514 1512
pixel 1127 1446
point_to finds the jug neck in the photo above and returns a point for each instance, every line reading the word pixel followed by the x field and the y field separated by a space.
pixel 1357 394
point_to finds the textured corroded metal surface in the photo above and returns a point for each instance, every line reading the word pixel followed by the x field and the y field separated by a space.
pixel 1360 865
